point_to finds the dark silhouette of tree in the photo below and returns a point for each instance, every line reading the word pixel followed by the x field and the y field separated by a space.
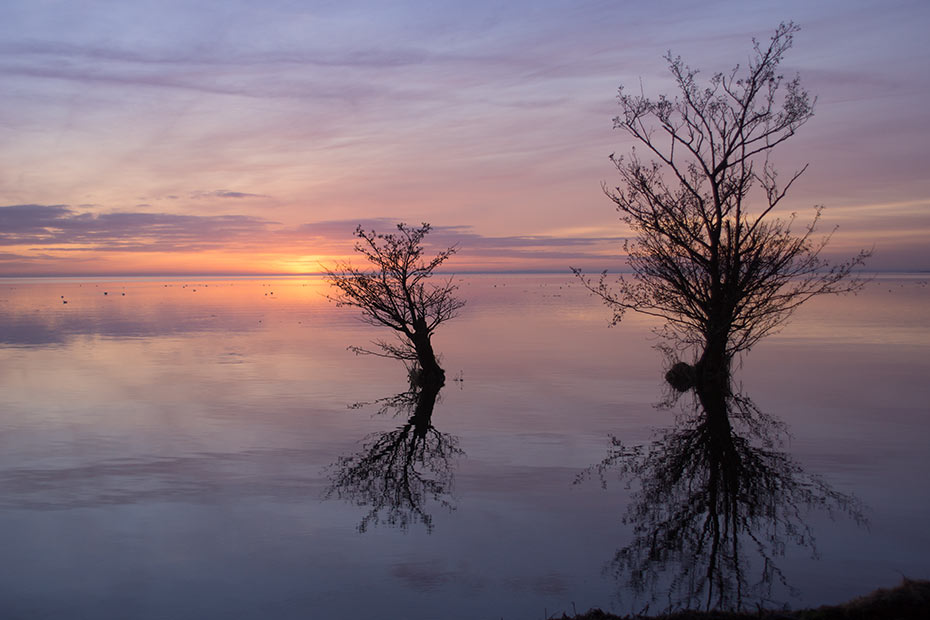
pixel 720 271
pixel 716 504
pixel 397 473
pixel 399 294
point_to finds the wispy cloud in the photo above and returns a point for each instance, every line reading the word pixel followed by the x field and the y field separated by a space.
pixel 58 230
pixel 49 226
pixel 475 246
pixel 225 193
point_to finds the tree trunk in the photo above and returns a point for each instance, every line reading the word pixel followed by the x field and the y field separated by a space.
pixel 431 372
pixel 713 369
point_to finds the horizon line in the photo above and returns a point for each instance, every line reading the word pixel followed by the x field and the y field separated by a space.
pixel 272 274
pixel 269 274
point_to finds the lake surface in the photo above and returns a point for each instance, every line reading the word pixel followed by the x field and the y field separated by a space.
pixel 169 449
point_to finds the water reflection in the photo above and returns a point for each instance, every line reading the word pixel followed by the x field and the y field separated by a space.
pixel 37 315
pixel 716 504
pixel 396 474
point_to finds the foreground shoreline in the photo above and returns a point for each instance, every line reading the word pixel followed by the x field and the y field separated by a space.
pixel 908 601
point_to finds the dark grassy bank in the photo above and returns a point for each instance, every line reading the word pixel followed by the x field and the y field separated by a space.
pixel 908 601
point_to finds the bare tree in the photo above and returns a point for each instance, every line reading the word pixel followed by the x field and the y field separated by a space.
pixel 399 294
pixel 721 273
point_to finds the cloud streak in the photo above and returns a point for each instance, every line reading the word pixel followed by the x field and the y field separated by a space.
pixel 54 232
pixel 225 193
pixel 462 236
pixel 47 238
pixel 53 226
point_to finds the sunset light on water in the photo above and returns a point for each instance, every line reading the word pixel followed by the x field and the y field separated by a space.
pixel 162 445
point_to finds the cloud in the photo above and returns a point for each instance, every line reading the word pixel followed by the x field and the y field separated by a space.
pixel 56 234
pixel 346 228
pixel 561 250
pixel 335 74
pixel 53 226
pixel 465 236
pixel 10 256
pixel 338 64
pixel 372 57
pixel 444 236
pixel 225 193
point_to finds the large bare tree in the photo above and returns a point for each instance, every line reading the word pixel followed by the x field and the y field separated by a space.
pixel 710 256
pixel 399 294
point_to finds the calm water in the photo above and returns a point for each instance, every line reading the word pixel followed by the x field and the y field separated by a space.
pixel 170 450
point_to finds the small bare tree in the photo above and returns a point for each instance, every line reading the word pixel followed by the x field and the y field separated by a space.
pixel 721 275
pixel 398 294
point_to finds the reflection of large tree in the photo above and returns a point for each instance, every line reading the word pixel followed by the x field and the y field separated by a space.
pixel 717 503
pixel 397 473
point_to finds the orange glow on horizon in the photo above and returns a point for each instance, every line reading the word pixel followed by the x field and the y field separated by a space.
pixel 292 251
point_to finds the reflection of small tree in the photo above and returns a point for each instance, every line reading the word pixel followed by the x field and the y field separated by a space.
pixel 398 294
pixel 716 505
pixel 398 472
pixel 720 275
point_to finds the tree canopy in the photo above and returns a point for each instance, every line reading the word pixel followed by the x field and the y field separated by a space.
pixel 399 293
pixel 710 256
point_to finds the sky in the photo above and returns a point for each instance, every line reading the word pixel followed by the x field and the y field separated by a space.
pixel 236 136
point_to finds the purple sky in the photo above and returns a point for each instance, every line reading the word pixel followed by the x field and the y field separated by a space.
pixel 233 135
